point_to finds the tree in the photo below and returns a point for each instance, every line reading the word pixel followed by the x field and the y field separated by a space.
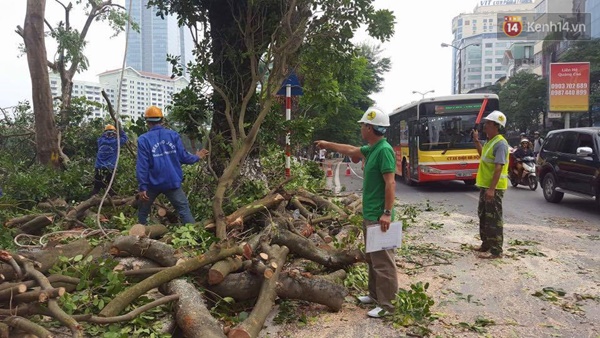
pixel 350 85
pixel 46 135
pixel 69 60
pixel 523 98
pixel 250 44
pixel 71 42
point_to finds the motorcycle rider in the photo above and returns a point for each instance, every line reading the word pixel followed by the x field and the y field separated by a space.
pixel 523 151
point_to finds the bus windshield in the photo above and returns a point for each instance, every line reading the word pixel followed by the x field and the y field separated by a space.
pixel 448 124
pixel 447 132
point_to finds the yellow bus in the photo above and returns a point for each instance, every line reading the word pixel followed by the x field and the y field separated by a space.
pixel 432 137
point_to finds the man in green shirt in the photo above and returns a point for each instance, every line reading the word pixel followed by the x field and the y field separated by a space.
pixel 492 180
pixel 378 201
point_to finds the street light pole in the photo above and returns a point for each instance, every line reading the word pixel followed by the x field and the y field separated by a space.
pixel 423 94
pixel 459 50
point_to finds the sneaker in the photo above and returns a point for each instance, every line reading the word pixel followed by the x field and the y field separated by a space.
pixel 366 300
pixel 377 313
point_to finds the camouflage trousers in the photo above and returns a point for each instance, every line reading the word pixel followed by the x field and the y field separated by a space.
pixel 490 222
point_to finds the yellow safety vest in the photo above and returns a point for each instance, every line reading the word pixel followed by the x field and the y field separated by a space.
pixel 485 172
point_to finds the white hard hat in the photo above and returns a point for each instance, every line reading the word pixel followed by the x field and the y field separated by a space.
pixel 524 140
pixel 498 117
pixel 375 117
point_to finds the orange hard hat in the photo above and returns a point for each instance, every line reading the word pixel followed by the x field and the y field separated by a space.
pixel 154 114
pixel 110 127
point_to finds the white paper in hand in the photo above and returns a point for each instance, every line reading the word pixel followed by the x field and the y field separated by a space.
pixel 378 240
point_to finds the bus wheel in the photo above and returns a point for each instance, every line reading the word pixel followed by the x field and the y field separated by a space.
pixel 405 174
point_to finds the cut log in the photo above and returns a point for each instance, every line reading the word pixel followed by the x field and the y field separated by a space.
pixel 350 199
pixel 236 219
pixel 4 330
pixel 306 201
pixel 221 269
pixel 159 252
pixel 162 212
pixel 334 277
pixel 47 258
pixel 192 316
pixel 325 236
pixel 13 222
pixel 266 298
pixel 36 225
pixel 317 289
pixel 303 247
pixel 298 205
pixel 28 326
pixel 78 213
pixel 123 299
pixel 153 231
pixel 40 296
pixel 264 256
pixel 135 263
pixel 324 204
pixel 11 292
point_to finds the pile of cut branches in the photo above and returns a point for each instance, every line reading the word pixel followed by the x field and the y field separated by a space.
pixel 264 257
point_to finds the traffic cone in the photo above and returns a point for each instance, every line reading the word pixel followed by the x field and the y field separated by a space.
pixel 329 171
pixel 348 173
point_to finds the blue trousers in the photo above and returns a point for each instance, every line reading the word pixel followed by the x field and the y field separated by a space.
pixel 176 196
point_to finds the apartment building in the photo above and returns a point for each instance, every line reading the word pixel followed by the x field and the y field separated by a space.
pixel 139 90
pixel 479 49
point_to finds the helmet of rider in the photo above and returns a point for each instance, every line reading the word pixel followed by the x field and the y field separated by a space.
pixel 153 114
pixel 497 117
pixel 377 118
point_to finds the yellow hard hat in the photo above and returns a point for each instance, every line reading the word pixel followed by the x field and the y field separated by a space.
pixel 154 114
pixel 110 127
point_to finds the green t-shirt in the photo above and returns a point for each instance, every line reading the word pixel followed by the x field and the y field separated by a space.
pixel 379 159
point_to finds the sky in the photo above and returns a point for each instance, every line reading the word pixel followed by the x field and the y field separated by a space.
pixel 419 63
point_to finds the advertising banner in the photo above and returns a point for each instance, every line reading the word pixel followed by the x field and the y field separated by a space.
pixel 569 87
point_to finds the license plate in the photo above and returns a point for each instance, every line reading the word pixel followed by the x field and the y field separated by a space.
pixel 464 174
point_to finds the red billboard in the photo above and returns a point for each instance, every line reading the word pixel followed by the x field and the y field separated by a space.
pixel 569 87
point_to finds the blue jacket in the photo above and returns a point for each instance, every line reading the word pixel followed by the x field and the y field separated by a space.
pixel 107 150
pixel 160 154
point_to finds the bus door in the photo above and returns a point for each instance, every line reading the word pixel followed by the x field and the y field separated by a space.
pixel 413 148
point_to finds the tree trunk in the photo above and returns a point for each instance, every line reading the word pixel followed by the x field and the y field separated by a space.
pixel 46 136
pixel 321 290
pixel 191 313
pixel 66 84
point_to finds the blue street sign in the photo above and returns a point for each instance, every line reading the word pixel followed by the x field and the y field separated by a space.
pixel 293 81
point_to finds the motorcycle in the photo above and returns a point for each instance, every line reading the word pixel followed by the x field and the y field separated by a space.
pixel 529 177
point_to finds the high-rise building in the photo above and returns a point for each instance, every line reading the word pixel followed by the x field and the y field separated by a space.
pixel 552 52
pixel 593 7
pixel 147 49
pixel 478 51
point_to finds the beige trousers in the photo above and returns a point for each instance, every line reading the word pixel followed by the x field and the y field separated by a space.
pixel 383 280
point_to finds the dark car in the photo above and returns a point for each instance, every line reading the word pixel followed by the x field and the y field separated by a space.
pixel 569 163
